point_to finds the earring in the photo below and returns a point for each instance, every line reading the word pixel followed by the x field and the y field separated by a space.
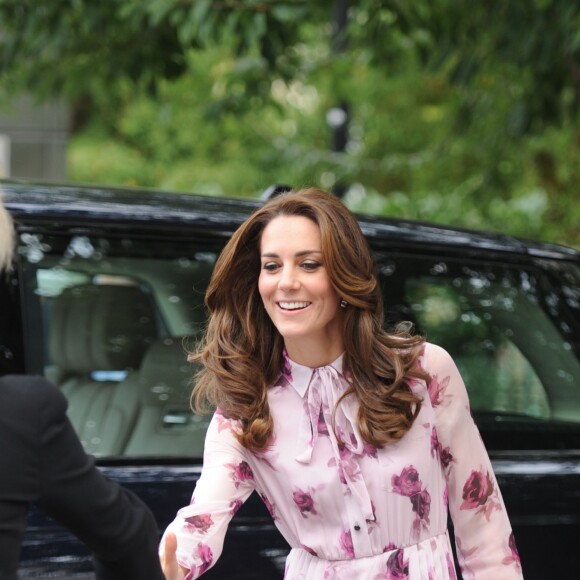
pixel 343 303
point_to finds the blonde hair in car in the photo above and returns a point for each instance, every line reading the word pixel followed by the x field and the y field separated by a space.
pixel 6 238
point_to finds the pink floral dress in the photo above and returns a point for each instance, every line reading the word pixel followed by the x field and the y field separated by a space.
pixel 347 509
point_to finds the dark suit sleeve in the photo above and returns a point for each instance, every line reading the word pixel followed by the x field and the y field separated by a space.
pixel 113 522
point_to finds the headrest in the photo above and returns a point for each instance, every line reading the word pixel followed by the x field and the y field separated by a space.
pixel 101 327
pixel 166 372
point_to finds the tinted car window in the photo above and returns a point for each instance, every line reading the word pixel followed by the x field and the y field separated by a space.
pixel 110 321
pixel 507 340
pixel 501 324
pixel 564 294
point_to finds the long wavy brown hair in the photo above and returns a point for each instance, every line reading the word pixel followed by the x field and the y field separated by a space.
pixel 242 352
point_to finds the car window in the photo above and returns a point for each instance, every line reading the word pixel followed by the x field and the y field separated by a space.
pixel 499 376
pixel 566 279
pixel 497 323
pixel 111 322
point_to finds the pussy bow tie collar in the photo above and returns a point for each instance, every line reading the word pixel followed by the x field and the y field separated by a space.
pixel 321 388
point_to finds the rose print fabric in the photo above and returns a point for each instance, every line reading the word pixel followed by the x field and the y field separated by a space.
pixel 349 510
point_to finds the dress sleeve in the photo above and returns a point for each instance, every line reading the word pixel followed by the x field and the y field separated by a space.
pixel 485 543
pixel 225 483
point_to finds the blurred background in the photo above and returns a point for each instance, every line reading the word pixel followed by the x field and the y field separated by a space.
pixel 462 113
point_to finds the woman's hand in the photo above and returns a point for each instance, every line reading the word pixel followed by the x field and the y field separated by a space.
pixel 168 557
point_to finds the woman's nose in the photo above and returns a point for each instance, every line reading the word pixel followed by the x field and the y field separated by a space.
pixel 288 280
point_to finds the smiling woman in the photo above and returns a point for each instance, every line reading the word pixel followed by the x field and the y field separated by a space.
pixel 243 350
pixel 357 439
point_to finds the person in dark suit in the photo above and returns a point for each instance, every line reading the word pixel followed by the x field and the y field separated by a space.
pixel 42 462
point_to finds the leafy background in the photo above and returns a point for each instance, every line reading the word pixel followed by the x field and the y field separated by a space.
pixel 457 112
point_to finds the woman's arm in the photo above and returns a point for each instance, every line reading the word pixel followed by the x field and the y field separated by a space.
pixel 485 542
pixel 226 482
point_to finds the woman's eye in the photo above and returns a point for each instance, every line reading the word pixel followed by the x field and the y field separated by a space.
pixel 310 266
pixel 270 266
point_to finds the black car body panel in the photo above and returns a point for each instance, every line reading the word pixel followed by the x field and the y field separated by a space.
pixel 536 454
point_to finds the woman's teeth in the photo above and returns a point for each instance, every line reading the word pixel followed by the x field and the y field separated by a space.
pixel 293 305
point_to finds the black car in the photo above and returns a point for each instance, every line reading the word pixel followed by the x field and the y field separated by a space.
pixel 108 295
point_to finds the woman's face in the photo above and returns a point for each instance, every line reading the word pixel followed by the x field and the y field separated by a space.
pixel 296 289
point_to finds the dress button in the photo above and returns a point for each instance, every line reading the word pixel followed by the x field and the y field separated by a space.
pixel 357 527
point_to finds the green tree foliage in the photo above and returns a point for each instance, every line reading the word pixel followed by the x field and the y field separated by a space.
pixel 460 112
pixel 99 47
pixel 92 46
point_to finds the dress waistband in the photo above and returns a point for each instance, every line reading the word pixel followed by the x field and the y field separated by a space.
pixel 430 558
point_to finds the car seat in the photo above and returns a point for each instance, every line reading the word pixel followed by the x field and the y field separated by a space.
pixel 97 329
pixel 166 425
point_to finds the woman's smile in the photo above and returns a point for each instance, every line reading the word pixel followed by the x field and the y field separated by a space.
pixel 293 306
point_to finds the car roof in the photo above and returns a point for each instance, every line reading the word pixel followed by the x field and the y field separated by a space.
pixel 67 206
